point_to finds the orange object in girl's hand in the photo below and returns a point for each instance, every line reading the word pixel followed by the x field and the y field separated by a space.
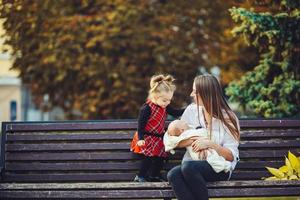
pixel 134 146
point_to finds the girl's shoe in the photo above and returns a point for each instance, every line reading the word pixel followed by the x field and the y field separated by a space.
pixel 139 179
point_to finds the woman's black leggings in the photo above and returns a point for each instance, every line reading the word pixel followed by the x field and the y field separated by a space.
pixel 189 179
pixel 151 165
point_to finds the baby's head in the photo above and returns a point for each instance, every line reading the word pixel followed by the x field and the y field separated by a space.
pixel 176 127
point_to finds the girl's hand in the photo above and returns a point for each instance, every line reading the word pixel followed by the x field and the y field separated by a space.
pixel 201 143
pixel 141 143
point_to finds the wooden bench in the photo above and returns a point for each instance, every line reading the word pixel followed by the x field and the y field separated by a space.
pixel 91 160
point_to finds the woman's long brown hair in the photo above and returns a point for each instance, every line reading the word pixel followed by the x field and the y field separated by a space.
pixel 210 92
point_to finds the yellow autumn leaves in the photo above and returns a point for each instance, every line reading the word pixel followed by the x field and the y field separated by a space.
pixel 289 171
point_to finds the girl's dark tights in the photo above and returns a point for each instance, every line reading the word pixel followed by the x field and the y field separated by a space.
pixel 154 163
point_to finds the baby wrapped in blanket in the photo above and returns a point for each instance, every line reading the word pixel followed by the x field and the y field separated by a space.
pixel 178 130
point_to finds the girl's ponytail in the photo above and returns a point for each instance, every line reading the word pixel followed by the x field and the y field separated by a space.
pixel 161 83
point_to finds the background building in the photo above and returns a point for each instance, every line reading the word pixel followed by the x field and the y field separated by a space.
pixel 10 91
pixel 10 87
pixel 15 98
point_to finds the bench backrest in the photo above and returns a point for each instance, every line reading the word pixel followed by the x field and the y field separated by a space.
pixel 99 150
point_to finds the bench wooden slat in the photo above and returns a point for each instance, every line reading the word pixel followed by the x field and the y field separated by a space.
pixel 125 145
pixel 259 164
pixel 109 176
pixel 127 135
pixel 249 175
pixel 132 194
pixel 98 156
pixel 129 125
pixel 70 166
pixel 83 166
pixel 68 146
pixel 87 194
pixel 254 134
pixel 267 153
pixel 101 135
pixel 69 177
pixel 254 192
pixel 79 156
pixel 270 144
pixel 72 126
pixel 149 185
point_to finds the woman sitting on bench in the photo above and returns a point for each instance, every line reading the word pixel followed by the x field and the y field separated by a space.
pixel 212 112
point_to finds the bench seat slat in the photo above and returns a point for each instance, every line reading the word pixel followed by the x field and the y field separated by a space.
pixel 149 185
pixel 254 192
pixel 87 194
pixel 156 193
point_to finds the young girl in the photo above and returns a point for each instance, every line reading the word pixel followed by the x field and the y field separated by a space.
pixel 148 140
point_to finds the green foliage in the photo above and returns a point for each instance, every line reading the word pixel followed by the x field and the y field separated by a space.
pixel 289 171
pixel 96 57
pixel 272 88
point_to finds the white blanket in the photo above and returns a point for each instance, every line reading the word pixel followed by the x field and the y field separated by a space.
pixel 217 162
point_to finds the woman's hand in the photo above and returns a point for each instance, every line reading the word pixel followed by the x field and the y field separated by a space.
pixel 186 142
pixel 202 154
pixel 201 143
pixel 141 143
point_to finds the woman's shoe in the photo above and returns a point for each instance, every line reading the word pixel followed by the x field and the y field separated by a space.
pixel 139 179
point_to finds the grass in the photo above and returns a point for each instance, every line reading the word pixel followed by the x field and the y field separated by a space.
pixel 259 198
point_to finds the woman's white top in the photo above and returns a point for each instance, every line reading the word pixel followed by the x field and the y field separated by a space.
pixel 217 162
pixel 220 133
